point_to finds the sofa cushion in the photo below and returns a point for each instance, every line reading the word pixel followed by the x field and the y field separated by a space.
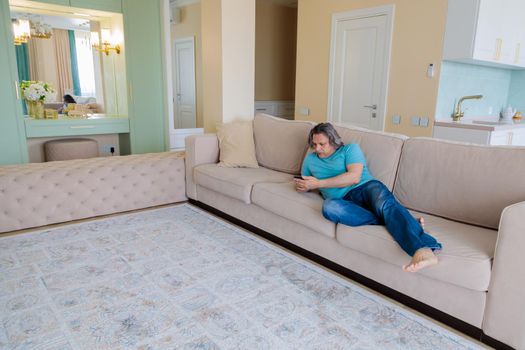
pixel 280 144
pixel 382 150
pixel 237 148
pixel 460 181
pixel 465 260
pixel 302 208
pixel 235 182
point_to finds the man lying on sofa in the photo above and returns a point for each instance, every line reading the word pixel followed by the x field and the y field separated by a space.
pixel 354 198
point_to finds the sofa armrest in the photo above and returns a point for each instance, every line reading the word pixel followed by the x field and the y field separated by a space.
pixel 200 149
pixel 504 317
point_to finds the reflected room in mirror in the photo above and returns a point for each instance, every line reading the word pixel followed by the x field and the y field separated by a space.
pixel 72 53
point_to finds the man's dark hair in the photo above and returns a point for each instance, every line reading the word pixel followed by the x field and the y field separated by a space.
pixel 69 99
pixel 327 130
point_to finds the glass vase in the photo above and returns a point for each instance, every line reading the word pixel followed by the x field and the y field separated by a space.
pixel 35 109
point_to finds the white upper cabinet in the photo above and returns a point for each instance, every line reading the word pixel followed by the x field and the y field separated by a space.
pixel 489 32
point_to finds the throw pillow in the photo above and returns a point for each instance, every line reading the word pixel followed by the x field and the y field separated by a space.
pixel 236 145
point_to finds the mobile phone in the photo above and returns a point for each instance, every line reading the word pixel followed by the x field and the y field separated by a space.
pixel 298 177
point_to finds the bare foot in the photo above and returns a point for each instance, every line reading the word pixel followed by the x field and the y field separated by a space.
pixel 421 221
pixel 422 258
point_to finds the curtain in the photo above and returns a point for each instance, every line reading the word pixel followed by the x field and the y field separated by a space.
pixel 22 60
pixel 63 59
pixel 74 63
pixel 22 63
pixel 43 63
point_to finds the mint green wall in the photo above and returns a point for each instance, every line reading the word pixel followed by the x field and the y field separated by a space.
pixel 144 65
pixel 103 5
pixel 458 79
pixel 517 91
pixel 56 2
pixel 13 147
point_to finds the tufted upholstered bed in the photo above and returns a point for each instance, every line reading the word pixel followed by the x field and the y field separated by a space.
pixel 38 194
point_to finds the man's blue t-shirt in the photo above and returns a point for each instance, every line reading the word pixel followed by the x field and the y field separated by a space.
pixel 324 168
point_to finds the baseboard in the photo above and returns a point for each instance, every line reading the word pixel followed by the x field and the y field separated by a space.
pixel 434 313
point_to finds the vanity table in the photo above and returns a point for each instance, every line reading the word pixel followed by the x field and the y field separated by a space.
pixel 96 124
pixel 485 132
pixel 110 131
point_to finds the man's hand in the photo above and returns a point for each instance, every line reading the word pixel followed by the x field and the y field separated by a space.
pixel 307 183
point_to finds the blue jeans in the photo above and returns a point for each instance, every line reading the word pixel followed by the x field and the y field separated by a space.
pixel 373 204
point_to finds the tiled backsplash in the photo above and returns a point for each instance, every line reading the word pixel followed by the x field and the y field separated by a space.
pixel 517 91
pixel 499 87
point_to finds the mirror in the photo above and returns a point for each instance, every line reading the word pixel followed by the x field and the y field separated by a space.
pixel 61 51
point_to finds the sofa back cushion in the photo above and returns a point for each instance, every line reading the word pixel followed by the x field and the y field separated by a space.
pixel 280 144
pixel 382 150
pixel 460 181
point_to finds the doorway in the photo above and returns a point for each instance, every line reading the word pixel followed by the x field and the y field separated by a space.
pixel 359 66
pixel 184 64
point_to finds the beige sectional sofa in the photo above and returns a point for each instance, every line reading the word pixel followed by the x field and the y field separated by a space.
pixel 472 198
pixel 38 194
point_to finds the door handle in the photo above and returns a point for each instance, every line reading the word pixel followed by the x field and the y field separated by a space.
pixel 374 107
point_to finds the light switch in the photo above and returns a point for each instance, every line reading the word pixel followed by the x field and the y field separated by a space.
pixel 430 70
pixel 423 121
pixel 414 121
pixel 396 119
pixel 304 111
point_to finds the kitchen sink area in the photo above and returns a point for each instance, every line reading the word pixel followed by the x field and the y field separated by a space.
pixel 485 132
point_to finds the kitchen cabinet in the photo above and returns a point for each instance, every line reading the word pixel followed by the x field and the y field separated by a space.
pixel 13 147
pixel 493 134
pixel 508 137
pixel 489 32
pixel 282 109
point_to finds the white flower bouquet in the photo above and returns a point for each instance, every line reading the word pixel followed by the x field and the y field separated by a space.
pixel 37 91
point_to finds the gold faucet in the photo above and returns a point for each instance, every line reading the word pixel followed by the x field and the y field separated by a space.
pixel 458 114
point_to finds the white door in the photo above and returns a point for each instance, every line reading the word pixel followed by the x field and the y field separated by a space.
pixel 359 67
pixel 185 107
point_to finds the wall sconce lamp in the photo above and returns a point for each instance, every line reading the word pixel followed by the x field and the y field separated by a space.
pixel 106 45
pixel 21 31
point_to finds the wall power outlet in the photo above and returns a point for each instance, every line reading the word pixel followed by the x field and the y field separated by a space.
pixel 109 149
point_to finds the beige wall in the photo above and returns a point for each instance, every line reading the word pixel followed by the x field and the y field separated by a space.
pixel 275 43
pixel 228 62
pixel 417 41
pixel 211 22
pixel 238 60
pixel 190 26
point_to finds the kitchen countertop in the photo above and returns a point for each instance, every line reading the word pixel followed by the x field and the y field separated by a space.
pixel 491 124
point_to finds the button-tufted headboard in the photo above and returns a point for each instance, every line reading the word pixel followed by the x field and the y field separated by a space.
pixel 39 194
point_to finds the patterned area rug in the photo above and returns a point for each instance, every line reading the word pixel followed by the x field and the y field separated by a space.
pixel 178 278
